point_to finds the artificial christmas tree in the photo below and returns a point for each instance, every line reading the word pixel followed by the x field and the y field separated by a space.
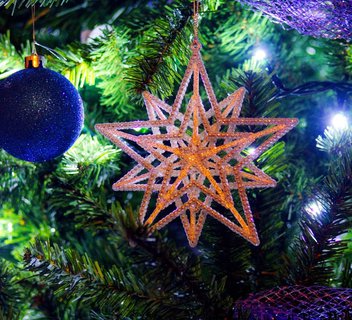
pixel 72 248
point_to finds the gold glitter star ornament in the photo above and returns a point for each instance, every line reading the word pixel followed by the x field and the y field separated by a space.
pixel 195 156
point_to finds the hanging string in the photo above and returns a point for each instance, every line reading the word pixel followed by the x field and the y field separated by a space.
pixel 34 49
pixel 195 18
pixel 35 43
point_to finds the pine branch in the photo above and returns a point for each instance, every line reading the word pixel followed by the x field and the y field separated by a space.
pixel 349 59
pixel 188 276
pixel 344 271
pixel 88 163
pixel 12 59
pixel 337 143
pixel 319 245
pixel 13 172
pixel 94 213
pixel 74 63
pixel 11 293
pixel 260 267
pixel 110 54
pixel 79 277
pixel 209 300
pixel 28 3
pixel 163 48
pixel 240 32
pixel 23 180
pixel 258 99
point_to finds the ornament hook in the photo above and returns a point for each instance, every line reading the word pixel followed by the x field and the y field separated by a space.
pixel 196 44
pixel 34 60
pixel 196 5
pixel 34 49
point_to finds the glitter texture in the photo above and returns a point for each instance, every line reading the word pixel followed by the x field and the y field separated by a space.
pixel 318 18
pixel 298 302
pixel 195 158
pixel 41 114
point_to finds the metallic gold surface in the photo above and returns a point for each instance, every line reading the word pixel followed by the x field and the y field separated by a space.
pixel 33 61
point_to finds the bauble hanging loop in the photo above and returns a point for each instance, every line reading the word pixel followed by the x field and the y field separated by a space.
pixel 33 61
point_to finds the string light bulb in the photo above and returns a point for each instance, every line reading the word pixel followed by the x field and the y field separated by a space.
pixel 10 227
pixel 314 208
pixel 259 54
pixel 339 121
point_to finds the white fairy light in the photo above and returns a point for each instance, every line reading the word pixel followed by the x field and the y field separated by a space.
pixel 10 227
pixel 259 54
pixel 311 51
pixel 314 208
pixel 339 121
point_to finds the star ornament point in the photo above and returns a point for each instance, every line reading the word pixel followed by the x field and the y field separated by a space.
pixel 195 157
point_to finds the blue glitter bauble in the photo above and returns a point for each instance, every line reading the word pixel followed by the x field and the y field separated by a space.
pixel 41 114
